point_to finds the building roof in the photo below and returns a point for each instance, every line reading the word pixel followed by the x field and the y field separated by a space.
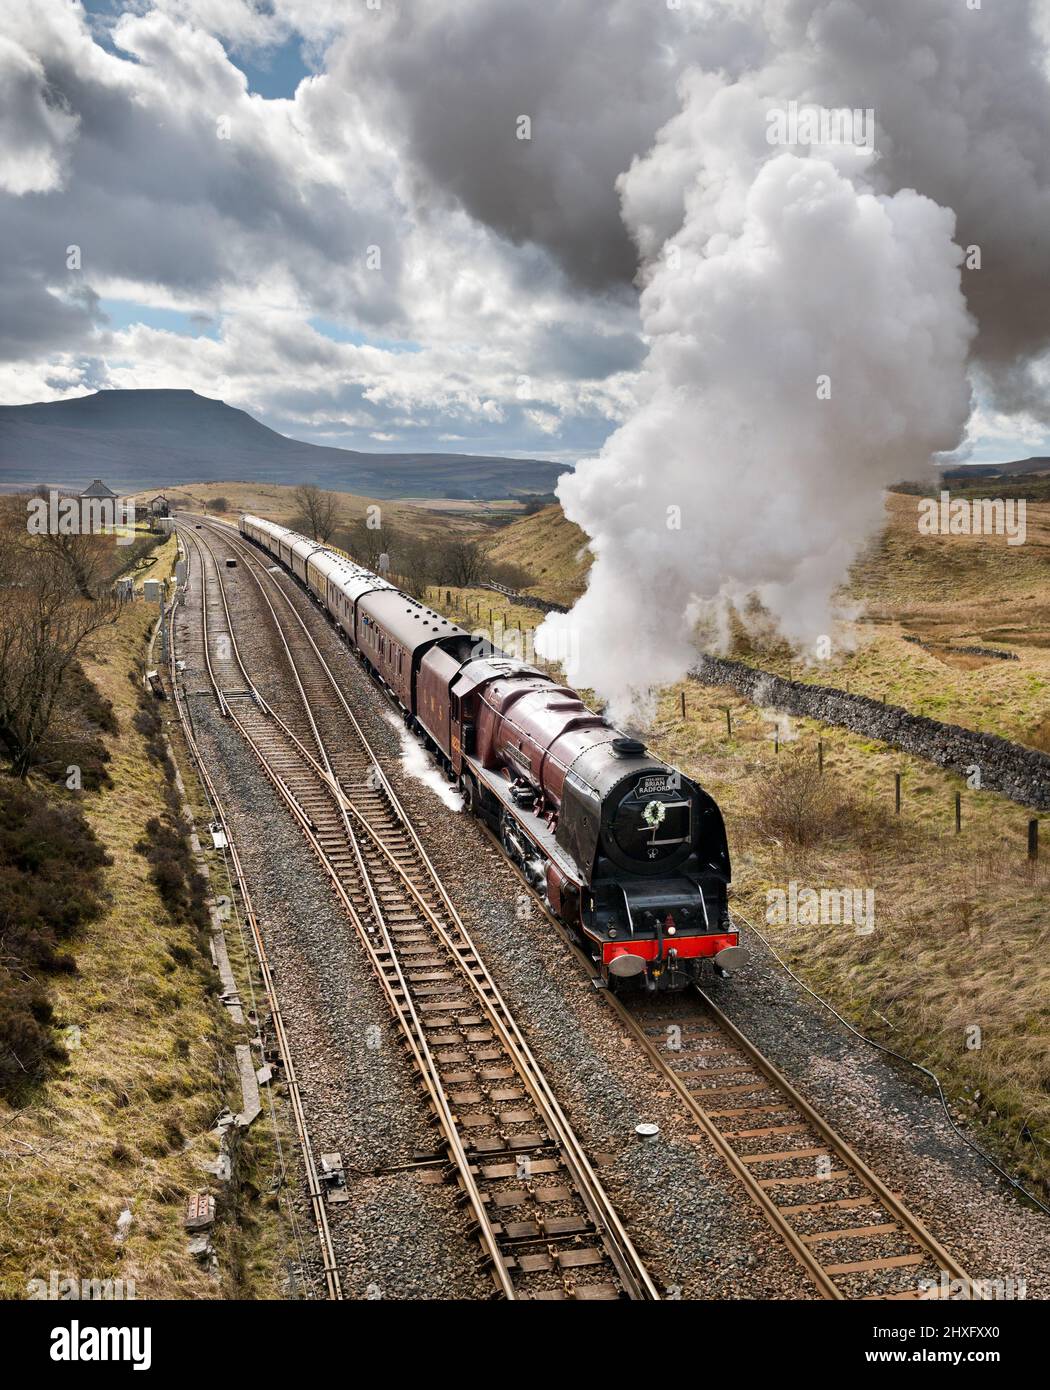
pixel 98 489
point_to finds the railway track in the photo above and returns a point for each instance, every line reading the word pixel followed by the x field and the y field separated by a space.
pixel 544 1223
pixel 333 1284
pixel 854 1237
pixel 814 1190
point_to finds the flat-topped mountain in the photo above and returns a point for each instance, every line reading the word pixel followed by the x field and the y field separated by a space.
pixel 141 439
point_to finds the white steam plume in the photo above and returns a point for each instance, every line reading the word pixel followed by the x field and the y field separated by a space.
pixel 786 268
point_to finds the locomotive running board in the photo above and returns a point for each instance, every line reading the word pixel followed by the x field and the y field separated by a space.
pixel 536 829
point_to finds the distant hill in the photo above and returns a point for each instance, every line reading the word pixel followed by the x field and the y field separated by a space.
pixel 141 439
pixel 997 470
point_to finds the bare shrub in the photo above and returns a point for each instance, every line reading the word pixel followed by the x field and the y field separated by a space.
pixel 796 803
pixel 51 885
pixel 459 563
pixel 510 575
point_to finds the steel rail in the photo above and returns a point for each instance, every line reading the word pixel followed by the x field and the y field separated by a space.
pixel 333 1283
pixel 630 1269
pixel 775 1217
pixel 870 1179
pixel 417 1040
pixel 880 1193
pixel 629 1264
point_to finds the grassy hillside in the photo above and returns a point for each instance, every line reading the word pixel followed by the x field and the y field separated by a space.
pixel 126 1124
pixel 948 592
pixel 551 548
pixel 960 919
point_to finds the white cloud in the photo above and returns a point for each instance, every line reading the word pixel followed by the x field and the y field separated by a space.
pixel 38 131
pixel 401 141
pixel 271 228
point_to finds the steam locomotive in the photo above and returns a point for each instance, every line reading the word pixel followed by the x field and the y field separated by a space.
pixel 625 850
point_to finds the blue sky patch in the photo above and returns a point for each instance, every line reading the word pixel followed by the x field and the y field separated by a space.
pixel 339 333
pixel 122 313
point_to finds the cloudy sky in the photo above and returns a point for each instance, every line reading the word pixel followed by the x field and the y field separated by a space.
pixel 322 211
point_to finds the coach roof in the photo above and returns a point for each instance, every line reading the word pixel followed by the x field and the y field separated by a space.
pixel 406 620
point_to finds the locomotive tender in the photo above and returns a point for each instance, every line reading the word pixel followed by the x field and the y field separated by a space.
pixel 623 849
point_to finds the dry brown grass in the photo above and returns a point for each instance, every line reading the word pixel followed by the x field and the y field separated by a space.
pixel 128 1123
pixel 961 925
pixel 551 548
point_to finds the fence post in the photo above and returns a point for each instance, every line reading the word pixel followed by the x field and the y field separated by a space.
pixel 1033 839
pixel 820 755
pixel 897 792
pixel 729 722
pixel 683 704
pixel 958 812
pixel 776 739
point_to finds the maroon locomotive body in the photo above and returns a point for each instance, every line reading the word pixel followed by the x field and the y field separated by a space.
pixel 622 847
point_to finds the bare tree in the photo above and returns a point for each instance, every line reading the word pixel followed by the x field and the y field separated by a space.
pixel 44 625
pixel 366 543
pixel 460 562
pixel 219 504
pixel 84 558
pixel 412 562
pixel 318 511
